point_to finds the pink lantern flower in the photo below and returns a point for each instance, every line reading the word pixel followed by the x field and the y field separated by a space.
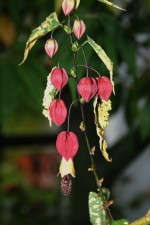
pixel 87 88
pixel 59 78
pixel 79 28
pixel 104 88
pixel 68 6
pixel 58 112
pixel 51 47
pixel 67 144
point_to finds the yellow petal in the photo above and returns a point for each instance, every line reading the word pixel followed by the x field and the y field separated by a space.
pixel 66 167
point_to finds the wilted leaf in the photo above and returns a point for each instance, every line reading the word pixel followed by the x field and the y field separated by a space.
pixel 48 25
pixel 111 4
pixel 102 55
pixel 96 211
pixel 101 121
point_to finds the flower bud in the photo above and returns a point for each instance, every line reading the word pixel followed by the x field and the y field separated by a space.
pixel 59 78
pixel 58 112
pixel 67 144
pixel 68 6
pixel 79 28
pixel 87 88
pixel 51 47
pixel 104 88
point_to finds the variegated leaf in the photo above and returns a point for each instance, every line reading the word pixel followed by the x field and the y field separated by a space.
pixel 102 55
pixel 120 222
pixel 101 121
pixel 111 4
pixel 48 25
pixel 96 211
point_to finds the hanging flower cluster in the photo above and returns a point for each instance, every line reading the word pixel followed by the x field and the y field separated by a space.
pixel 56 109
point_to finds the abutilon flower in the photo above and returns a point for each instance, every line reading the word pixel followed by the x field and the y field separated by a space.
pixel 51 47
pixel 67 144
pixel 104 88
pixel 58 111
pixel 87 88
pixel 68 6
pixel 79 28
pixel 59 78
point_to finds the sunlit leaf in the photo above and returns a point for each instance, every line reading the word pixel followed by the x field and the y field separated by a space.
pixel 96 211
pixel 48 25
pixel 102 55
pixel 111 4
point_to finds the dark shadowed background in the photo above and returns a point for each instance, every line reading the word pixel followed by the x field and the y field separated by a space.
pixel 29 188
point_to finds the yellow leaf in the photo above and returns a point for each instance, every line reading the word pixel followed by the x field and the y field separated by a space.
pixel 101 121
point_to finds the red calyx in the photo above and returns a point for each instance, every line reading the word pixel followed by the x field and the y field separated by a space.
pixel 67 144
pixel 104 88
pixel 58 112
pixel 87 88
pixel 59 78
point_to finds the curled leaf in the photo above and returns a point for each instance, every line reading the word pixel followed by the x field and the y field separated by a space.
pixel 48 25
pixel 101 121
pixel 102 55
pixel 111 4
pixel 49 95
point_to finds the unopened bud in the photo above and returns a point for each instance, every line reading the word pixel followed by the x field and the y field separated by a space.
pixel 51 47
pixel 68 6
pixel 67 29
pixel 75 47
pixel 79 28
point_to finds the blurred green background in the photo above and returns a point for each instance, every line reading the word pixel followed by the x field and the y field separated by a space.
pixel 29 188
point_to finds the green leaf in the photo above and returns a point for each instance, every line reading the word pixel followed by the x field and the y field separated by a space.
pixel 48 25
pixel 111 4
pixel 77 3
pixel 119 222
pixel 97 213
pixel 102 55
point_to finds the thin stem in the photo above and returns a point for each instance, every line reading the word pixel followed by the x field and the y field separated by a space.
pixel 90 69
pixel 85 134
pixel 86 65
pixel 69 113
pixel 59 95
